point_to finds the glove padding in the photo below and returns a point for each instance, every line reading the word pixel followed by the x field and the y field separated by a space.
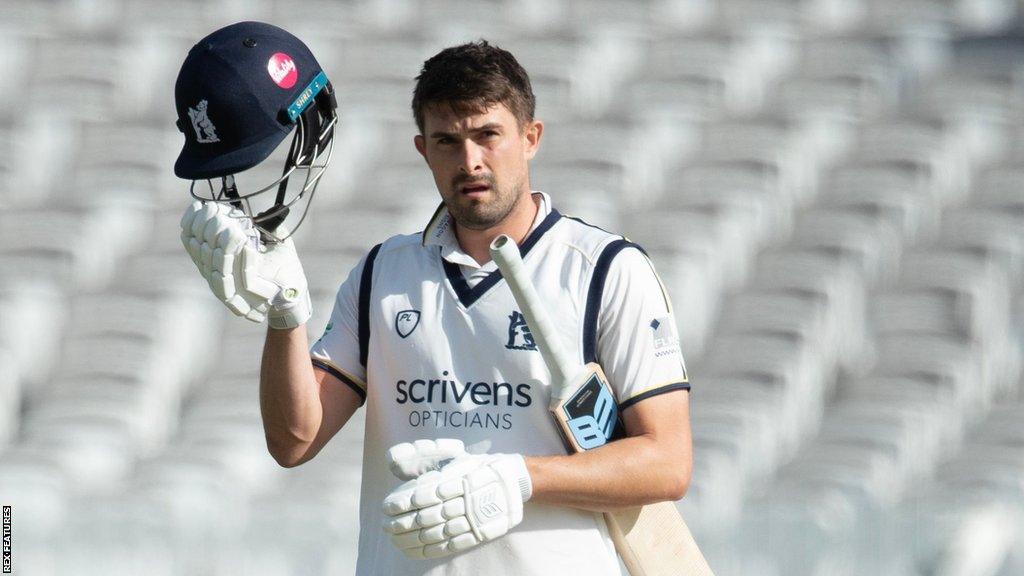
pixel 252 279
pixel 409 460
pixel 471 500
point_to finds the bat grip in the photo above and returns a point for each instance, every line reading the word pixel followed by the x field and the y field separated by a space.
pixel 505 254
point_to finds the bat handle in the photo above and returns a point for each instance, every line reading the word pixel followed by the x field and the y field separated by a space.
pixel 506 255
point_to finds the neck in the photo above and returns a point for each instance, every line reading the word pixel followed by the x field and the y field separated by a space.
pixel 477 243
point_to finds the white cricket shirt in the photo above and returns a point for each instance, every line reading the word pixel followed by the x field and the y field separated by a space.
pixel 435 356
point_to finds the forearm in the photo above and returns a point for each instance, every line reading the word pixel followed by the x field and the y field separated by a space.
pixel 621 474
pixel 289 395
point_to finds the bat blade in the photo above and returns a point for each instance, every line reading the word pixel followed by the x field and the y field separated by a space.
pixel 652 540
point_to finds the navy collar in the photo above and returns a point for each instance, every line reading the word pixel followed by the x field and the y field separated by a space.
pixel 467 296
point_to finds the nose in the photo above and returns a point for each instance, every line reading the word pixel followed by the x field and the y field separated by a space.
pixel 472 156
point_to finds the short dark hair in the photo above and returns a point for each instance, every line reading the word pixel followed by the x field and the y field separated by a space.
pixel 470 78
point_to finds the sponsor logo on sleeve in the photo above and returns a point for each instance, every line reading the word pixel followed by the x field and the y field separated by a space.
pixel 664 335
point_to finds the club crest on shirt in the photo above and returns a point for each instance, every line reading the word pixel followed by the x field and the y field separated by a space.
pixel 519 336
pixel 406 321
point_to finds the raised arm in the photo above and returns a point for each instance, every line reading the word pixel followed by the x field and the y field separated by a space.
pixel 302 407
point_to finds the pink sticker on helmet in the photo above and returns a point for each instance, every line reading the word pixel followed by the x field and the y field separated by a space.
pixel 282 70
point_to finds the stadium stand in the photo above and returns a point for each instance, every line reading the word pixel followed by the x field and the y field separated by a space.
pixel 830 189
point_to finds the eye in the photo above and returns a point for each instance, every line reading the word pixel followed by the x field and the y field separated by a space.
pixel 445 140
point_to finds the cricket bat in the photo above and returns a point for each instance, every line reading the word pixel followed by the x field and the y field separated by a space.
pixel 652 540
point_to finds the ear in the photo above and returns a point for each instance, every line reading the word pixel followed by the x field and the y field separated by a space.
pixel 532 135
pixel 421 145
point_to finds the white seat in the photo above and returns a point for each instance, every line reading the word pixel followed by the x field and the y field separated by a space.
pixel 76 78
pixel 944 361
pixel 872 245
pixel 914 395
pixel 704 74
pixel 327 269
pixel 157 406
pixel 883 194
pixel 920 311
pixel 31 320
pixel 783 145
pixel 97 450
pixel 989 231
pixel 998 188
pixel 815 277
pixel 772 358
pixel 714 498
pixel 182 484
pixel 746 193
pixel 964 93
pixel 142 428
pixel 806 321
pixel 866 474
pixel 913 430
pixel 76 257
pixel 128 358
pixel 352 229
pixel 750 428
pixel 969 276
pixel 846 80
pixel 116 534
pixel 31 479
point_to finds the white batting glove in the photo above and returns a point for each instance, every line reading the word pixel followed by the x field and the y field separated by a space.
pixel 409 460
pixel 471 500
pixel 252 279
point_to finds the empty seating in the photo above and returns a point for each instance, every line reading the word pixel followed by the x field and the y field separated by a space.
pixel 830 191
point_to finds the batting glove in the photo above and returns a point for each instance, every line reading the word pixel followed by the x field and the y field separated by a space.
pixel 255 280
pixel 409 460
pixel 469 501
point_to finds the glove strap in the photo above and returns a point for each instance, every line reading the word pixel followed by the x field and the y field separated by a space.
pixel 293 316
pixel 514 466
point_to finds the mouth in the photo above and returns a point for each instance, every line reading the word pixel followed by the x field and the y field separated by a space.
pixel 474 191
pixel 474 188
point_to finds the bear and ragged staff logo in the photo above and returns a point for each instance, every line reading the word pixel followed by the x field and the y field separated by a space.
pixel 206 132
pixel 519 336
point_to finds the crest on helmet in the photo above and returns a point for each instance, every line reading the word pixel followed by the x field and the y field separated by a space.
pixel 206 132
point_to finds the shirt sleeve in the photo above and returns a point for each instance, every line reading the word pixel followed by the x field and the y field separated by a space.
pixel 337 351
pixel 637 340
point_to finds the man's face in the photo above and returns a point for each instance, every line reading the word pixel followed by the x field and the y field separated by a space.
pixel 479 162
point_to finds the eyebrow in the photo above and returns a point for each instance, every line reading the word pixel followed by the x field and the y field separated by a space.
pixel 488 126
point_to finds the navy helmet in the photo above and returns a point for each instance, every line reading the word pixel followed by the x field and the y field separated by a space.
pixel 240 92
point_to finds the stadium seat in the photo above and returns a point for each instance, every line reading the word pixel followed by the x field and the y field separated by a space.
pixel 885 195
pixel 31 478
pixel 947 362
pixel 817 277
pixel 843 79
pixel 990 232
pixel 871 245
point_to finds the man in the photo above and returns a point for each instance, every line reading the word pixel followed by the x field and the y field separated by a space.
pixel 426 334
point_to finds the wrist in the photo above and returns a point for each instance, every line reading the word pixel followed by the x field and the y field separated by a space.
pixel 512 467
pixel 290 313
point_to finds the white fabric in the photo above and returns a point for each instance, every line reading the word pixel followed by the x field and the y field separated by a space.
pixel 471 500
pixel 470 373
pixel 253 280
